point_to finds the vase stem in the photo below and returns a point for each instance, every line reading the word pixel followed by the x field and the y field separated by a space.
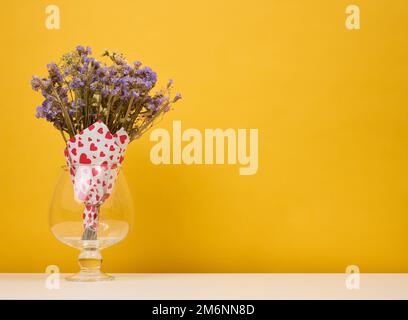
pixel 90 260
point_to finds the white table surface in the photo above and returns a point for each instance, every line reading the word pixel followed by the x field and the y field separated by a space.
pixel 208 286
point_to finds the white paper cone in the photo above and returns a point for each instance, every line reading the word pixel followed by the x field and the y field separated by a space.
pixel 93 157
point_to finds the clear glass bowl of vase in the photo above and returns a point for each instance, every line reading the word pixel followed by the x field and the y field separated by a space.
pixel 91 210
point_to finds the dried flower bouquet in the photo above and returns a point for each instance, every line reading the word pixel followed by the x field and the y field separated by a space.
pixel 99 107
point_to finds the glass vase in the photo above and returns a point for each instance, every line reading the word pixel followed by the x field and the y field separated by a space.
pixel 90 225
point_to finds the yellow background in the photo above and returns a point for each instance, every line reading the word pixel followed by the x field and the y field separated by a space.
pixel 330 105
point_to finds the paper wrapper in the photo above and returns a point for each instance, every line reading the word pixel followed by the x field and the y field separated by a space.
pixel 93 157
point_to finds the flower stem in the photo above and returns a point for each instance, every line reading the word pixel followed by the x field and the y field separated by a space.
pixel 64 112
pixel 62 133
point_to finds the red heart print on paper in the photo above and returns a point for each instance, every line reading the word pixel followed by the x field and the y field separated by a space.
pixel 104 165
pixel 122 138
pixel 95 172
pixel 83 159
pixel 92 147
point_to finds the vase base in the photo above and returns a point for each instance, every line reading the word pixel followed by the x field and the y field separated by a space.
pixel 90 277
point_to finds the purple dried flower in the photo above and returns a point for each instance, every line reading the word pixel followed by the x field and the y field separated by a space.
pixel 105 91
pixel 101 72
pixel 115 91
pixel 116 81
pixel 40 112
pixel 77 83
pixel 89 60
pixel 106 80
pixel 36 83
pixel 151 107
pixel 177 97
pixel 58 124
pixel 126 69
pixel 94 86
pixel 148 74
pixel 80 49
pixel 54 73
pixel 125 94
